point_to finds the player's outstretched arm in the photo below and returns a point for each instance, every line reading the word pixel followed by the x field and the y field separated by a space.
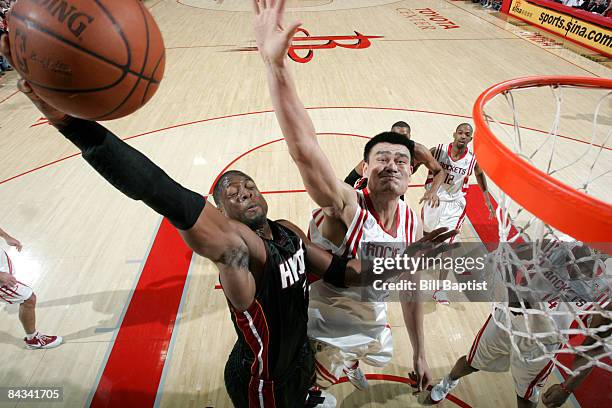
pixel 340 272
pixel 344 272
pixel 412 310
pixel 273 40
pixel 423 155
pixel 231 245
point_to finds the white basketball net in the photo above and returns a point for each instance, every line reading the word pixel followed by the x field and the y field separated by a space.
pixel 546 273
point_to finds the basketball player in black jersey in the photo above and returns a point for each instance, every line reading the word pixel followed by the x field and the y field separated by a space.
pixel 262 263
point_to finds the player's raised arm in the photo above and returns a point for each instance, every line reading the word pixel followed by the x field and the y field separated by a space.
pixel 231 245
pixel 273 40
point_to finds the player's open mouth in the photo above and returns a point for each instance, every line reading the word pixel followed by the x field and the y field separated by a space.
pixel 253 207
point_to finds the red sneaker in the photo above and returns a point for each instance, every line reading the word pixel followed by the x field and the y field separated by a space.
pixel 42 341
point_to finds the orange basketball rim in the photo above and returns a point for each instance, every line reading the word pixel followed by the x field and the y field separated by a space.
pixel 575 213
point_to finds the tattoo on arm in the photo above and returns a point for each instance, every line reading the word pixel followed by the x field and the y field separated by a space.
pixel 236 257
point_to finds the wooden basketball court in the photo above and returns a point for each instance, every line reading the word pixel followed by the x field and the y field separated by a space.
pixel 142 321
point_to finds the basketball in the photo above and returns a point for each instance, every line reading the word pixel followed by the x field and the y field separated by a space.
pixel 95 60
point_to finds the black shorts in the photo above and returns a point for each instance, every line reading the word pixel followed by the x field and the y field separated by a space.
pixel 289 392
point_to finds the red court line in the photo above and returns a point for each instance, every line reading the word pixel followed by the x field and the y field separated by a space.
pixel 134 368
pixel 38 168
pixel 9 97
pixel 44 122
pixel 230 164
pixel 404 380
pixel 269 111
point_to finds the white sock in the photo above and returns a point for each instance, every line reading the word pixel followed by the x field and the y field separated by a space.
pixel 31 336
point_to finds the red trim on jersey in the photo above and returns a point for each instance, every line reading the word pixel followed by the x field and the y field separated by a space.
pixel 315 215
pixel 9 296
pixel 601 299
pixel 410 217
pixel 9 263
pixel 466 179
pixel 324 373
pixel 438 152
pixel 472 165
pixel 255 331
pixel 362 202
pixel 476 341
pixel 462 156
pixel 371 208
pixel 542 375
pixel 319 221
pixel 406 236
pixel 9 291
pixel 358 240
pixel 265 395
pixel 357 227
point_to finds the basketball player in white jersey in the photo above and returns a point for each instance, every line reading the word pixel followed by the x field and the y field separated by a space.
pixel 566 287
pixel 346 327
pixel 459 162
pixel 14 292
pixel 422 155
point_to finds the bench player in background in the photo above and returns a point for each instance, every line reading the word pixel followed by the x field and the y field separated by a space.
pixel 459 162
pixel 14 292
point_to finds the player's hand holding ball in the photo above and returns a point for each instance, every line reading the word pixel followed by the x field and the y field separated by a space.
pixel 53 115
pixel 97 60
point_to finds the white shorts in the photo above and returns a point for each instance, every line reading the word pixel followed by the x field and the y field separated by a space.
pixel 20 292
pixel 492 351
pixel 329 360
pixel 449 214
pixel 17 294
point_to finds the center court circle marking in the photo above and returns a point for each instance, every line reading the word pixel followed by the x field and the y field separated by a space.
pixel 315 5
pixel 316 108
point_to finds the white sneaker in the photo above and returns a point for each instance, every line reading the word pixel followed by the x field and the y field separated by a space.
pixel 320 399
pixel 356 377
pixel 441 297
pixel 441 390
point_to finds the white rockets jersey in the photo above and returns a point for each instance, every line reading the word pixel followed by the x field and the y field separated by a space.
pixel 5 263
pixel 562 298
pixel 458 172
pixel 355 316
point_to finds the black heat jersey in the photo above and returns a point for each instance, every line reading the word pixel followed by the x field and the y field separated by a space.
pixel 273 328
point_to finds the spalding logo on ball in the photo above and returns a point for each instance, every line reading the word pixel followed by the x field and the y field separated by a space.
pixel 93 59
